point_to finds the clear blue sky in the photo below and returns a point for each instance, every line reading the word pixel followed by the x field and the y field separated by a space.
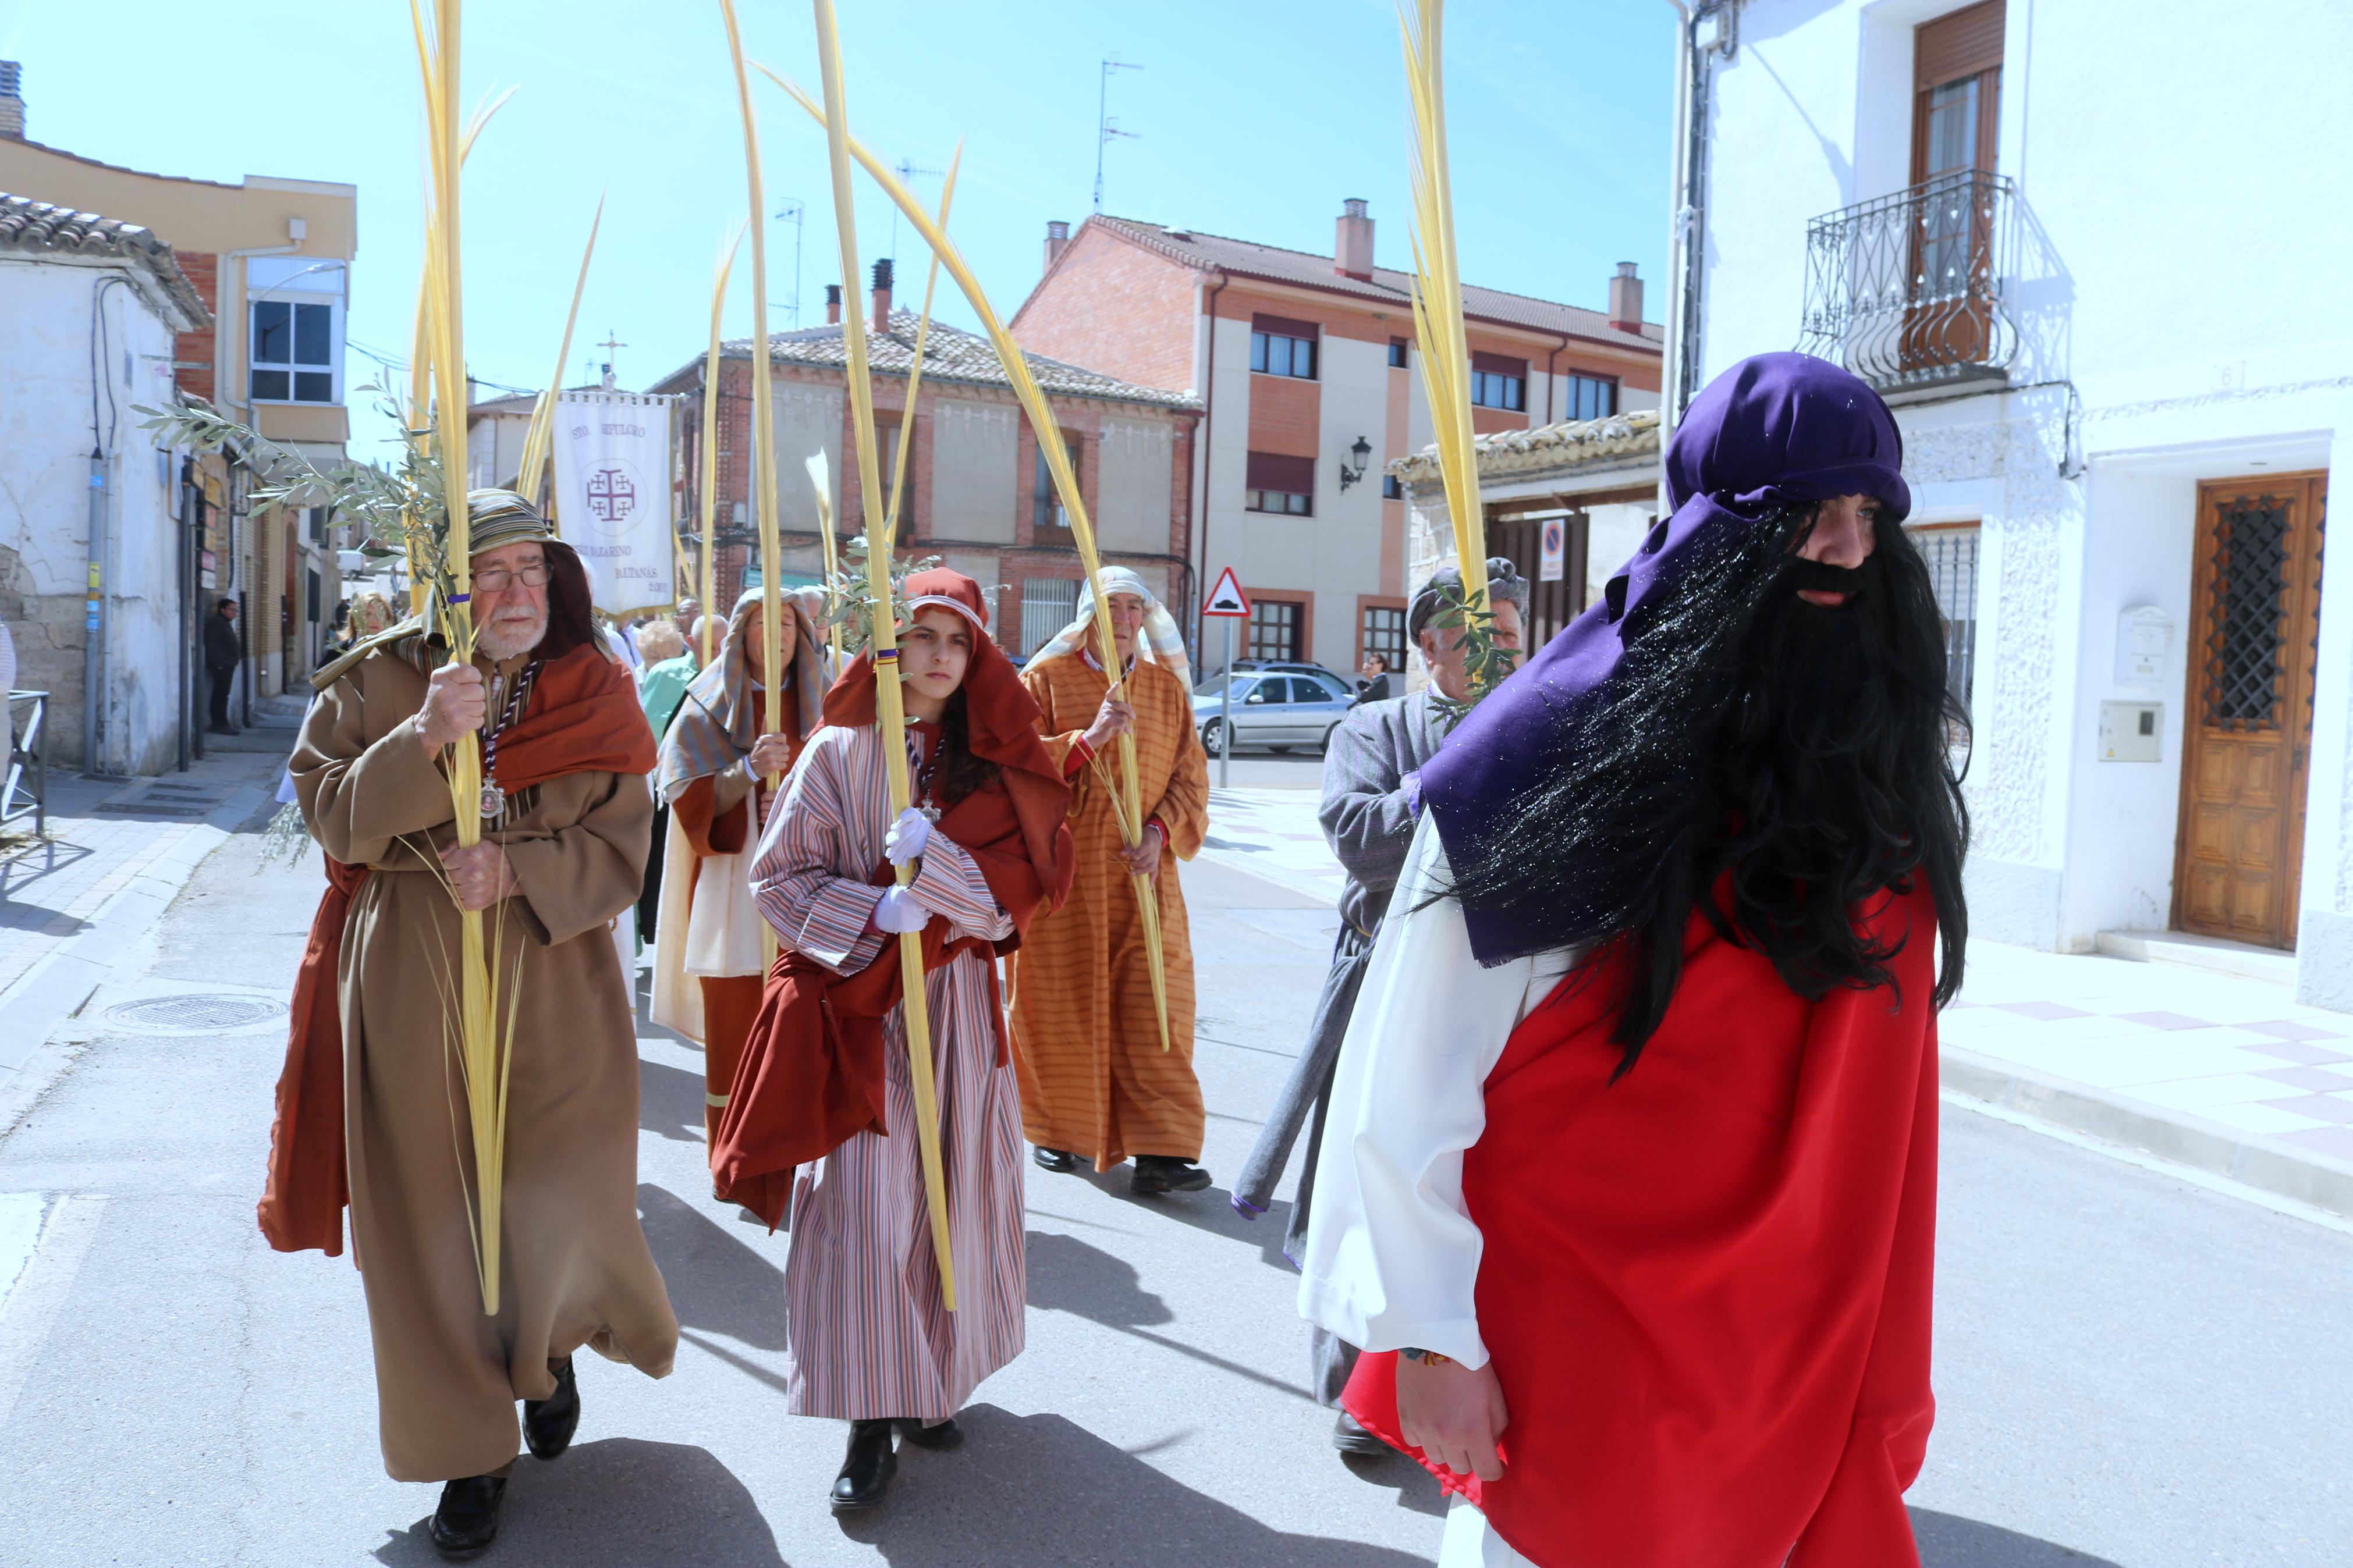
pixel 1254 117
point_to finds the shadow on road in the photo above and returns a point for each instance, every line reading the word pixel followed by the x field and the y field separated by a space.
pixel 670 1102
pixel 716 1281
pixel 622 1501
pixel 1948 1540
pixel 1066 1275
pixel 1025 1490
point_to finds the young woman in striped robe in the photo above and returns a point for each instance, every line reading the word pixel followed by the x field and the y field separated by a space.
pixel 825 1074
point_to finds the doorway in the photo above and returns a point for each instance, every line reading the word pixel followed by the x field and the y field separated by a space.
pixel 2255 609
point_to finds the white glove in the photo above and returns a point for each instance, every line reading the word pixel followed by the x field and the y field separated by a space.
pixel 899 911
pixel 907 837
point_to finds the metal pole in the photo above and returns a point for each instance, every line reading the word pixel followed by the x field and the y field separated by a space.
pixel 93 674
pixel 1226 708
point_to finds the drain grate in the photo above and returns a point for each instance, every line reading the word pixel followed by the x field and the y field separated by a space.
pixel 198 1014
pixel 150 809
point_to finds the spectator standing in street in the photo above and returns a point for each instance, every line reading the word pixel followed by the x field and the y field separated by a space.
pixel 1629 1177
pixel 1375 686
pixel 1371 803
pixel 369 1076
pixel 1096 1085
pixel 224 649
pixel 663 678
pixel 715 760
pixel 868 1335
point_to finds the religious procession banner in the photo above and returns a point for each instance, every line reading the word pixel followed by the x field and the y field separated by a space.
pixel 612 496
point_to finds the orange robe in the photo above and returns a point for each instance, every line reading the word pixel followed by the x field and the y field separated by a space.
pixel 1086 1042
pixel 730 1003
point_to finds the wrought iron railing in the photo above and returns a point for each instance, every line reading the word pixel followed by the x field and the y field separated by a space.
pixel 19 795
pixel 1908 291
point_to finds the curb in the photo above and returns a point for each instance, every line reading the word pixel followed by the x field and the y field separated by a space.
pixel 2249 1158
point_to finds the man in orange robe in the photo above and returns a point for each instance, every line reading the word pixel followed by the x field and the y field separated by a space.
pixel 1096 1084
pixel 709 961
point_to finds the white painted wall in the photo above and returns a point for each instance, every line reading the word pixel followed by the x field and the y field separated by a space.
pixel 46 438
pixel 2171 263
pixel 808 421
pixel 973 448
pixel 1136 468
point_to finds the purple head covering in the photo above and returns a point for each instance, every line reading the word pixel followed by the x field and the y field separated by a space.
pixel 1775 431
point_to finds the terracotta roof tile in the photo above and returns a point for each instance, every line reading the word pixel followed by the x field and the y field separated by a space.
pixel 1569 445
pixel 31 227
pixel 951 355
pixel 1387 286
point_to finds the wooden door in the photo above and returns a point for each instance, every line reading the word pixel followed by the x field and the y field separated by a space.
pixel 2255 607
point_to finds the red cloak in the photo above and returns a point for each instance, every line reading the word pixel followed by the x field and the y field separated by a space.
pixel 583 717
pixel 1705 1288
pixel 811 1076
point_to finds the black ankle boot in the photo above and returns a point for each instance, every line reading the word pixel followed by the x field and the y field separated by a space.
pixel 866 1468
pixel 548 1424
pixel 468 1520
pixel 1156 1174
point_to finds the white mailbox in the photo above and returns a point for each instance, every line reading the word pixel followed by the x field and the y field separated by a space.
pixel 2144 635
pixel 2129 732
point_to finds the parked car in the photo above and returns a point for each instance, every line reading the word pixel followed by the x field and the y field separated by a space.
pixel 1277 706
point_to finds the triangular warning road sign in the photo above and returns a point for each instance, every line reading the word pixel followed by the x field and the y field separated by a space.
pixel 1226 598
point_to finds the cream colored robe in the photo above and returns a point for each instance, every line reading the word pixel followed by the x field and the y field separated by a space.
pixel 574 1269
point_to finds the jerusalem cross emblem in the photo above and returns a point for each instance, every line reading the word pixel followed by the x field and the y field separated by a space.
pixel 610 495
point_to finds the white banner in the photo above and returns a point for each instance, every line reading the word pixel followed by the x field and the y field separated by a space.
pixel 612 496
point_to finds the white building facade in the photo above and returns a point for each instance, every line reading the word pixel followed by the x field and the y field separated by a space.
pixel 2098 291
pixel 89 311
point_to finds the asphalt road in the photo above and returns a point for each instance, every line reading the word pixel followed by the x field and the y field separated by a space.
pixel 2131 1370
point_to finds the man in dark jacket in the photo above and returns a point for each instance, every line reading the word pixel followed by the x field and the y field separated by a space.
pixel 1371 803
pixel 224 650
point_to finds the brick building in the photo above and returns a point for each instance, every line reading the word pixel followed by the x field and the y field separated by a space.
pixel 978 493
pixel 1303 366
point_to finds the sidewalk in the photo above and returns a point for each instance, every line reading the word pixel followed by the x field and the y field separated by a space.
pixel 2220 1074
pixel 75 903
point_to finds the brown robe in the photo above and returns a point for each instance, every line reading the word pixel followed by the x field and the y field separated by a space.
pixel 574 1269
pixel 1086 1040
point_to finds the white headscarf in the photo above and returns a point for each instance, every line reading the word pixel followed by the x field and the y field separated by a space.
pixel 1160 641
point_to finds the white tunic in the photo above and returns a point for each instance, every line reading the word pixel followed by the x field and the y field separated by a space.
pixel 1392 1256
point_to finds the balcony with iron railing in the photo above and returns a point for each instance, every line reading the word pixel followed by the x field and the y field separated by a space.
pixel 1908 291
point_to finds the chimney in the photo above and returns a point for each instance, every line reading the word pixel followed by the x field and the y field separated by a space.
pixel 1057 240
pixel 1352 256
pixel 1626 299
pixel 833 304
pixel 12 101
pixel 882 295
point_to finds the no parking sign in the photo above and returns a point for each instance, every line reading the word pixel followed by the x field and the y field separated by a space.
pixel 1555 550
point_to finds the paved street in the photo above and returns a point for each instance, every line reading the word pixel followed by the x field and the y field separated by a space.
pixel 2131 1370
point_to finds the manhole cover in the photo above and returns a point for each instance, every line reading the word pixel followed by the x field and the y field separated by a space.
pixel 199 1015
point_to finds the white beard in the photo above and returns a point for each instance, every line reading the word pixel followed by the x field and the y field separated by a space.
pixel 506 639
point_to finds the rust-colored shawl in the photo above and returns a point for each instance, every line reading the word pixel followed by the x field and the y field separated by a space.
pixel 583 717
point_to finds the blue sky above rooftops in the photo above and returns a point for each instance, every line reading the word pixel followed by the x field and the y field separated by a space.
pixel 1252 120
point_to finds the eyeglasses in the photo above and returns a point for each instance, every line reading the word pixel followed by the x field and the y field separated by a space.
pixel 496 579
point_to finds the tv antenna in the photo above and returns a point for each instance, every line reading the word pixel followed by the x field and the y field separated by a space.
pixel 796 213
pixel 1106 130
pixel 908 171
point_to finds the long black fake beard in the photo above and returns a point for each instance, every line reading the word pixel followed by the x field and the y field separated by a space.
pixel 1795 754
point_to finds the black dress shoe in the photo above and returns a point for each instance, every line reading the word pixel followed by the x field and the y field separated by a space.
pixel 946 1434
pixel 1061 1162
pixel 548 1424
pixel 866 1468
pixel 1350 1437
pixel 468 1520
pixel 1156 1174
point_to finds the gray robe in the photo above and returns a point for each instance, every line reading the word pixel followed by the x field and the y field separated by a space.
pixel 1369 818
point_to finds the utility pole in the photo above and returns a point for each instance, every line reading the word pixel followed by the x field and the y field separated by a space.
pixel 611 343
pixel 1105 131
pixel 795 213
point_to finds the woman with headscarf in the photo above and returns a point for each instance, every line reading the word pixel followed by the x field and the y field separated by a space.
pixel 1628 1185
pixel 1097 1086
pixel 825 1083
pixel 716 757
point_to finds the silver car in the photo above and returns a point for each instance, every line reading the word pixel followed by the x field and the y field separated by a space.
pixel 1276 710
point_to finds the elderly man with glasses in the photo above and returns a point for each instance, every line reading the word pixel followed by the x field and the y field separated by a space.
pixel 372 1103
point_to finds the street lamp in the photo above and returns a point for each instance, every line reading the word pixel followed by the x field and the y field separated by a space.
pixel 1363 452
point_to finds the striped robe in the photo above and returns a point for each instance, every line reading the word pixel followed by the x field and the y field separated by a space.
pixel 865 1333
